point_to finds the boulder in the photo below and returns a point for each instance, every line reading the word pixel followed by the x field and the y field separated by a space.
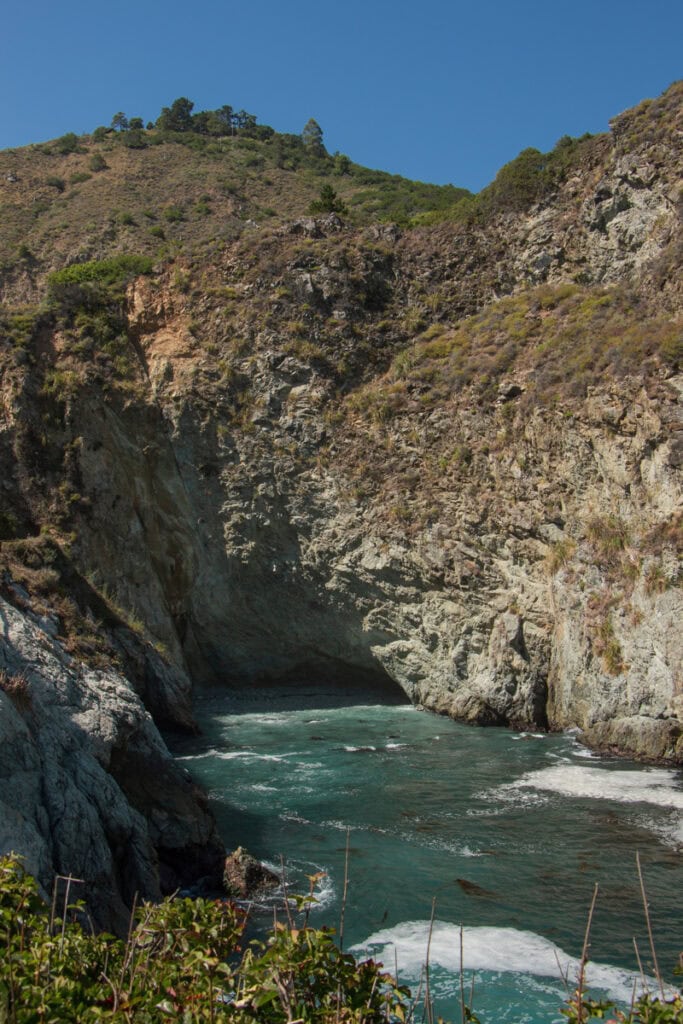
pixel 245 877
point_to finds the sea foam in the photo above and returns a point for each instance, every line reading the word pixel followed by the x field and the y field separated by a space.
pixel 657 786
pixel 489 949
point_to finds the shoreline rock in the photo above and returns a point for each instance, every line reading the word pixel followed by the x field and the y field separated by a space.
pixel 246 878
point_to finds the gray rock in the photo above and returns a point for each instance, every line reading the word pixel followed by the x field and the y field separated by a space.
pixel 88 787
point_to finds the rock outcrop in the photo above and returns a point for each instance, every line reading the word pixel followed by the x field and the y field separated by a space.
pixel 89 788
pixel 246 878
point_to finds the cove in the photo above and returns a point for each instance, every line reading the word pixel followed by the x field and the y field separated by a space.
pixel 507 832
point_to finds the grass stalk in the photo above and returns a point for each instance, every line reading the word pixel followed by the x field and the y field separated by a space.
pixel 345 890
pixel 462 980
pixel 646 908
pixel 288 912
pixel 429 1009
pixel 584 959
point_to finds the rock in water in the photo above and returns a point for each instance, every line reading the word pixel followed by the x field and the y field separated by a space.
pixel 244 877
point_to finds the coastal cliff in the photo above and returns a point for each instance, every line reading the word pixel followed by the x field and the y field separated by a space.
pixel 445 455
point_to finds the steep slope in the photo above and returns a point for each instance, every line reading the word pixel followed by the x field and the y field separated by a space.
pixel 446 457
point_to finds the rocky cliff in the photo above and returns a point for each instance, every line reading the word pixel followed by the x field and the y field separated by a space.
pixel 89 789
pixel 445 457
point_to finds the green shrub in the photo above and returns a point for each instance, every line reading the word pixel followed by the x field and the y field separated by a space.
pixel 181 962
pixel 97 163
pixel 112 271
pixel 173 214
pixel 67 143
pixel 55 182
pixel 9 524
pixel 327 202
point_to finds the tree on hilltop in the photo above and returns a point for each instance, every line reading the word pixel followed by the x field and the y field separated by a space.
pixel 312 137
pixel 177 117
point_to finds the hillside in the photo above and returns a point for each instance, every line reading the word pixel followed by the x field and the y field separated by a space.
pixel 162 193
pixel 240 441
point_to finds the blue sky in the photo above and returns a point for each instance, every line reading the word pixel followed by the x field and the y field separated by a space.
pixel 435 90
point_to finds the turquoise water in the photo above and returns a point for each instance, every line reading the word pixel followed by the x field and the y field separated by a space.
pixel 506 832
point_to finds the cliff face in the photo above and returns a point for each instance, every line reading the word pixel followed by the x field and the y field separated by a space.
pixel 88 786
pixel 528 575
pixel 447 458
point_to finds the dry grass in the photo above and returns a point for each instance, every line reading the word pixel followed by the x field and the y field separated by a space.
pixel 17 688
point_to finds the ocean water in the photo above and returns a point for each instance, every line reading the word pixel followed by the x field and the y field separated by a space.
pixel 504 833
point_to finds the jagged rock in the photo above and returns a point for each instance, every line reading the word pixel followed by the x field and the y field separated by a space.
pixel 244 877
pixel 88 786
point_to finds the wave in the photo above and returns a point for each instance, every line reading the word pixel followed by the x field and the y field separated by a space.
pixel 252 755
pixel 491 949
pixel 656 786
pixel 198 757
pixel 298 874
pixel 367 748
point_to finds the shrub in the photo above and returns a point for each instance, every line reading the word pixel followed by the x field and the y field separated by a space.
pixel 67 143
pixel 97 163
pixel 608 535
pixel 55 182
pixel 17 689
pixel 327 202
pixel 9 526
pixel 178 963
pixel 111 271
pixel 173 214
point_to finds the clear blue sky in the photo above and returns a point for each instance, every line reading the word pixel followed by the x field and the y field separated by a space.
pixel 435 90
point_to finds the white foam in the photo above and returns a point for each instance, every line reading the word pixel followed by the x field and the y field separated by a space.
pixel 656 786
pixel 669 831
pixel 467 852
pixel 585 752
pixel 299 873
pixel 250 755
pixel 358 750
pixel 395 746
pixel 490 949
pixel 199 757
pixel 343 826
pixel 294 816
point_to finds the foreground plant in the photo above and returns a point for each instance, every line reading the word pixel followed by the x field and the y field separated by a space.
pixel 181 961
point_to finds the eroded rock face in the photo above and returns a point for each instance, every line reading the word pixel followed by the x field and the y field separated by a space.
pixel 88 786
pixel 509 608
